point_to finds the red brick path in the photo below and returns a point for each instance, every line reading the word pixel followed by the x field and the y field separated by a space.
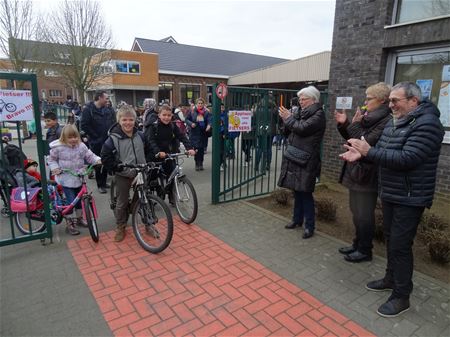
pixel 198 286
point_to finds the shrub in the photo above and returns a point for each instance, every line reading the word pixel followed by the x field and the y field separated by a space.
pixel 438 243
pixel 326 209
pixel 282 196
pixel 431 222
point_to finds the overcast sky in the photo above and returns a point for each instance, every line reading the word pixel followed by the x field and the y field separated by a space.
pixel 286 29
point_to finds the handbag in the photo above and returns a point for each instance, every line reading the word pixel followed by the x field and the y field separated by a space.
pixel 296 155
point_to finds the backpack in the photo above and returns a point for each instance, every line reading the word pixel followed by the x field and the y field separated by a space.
pixel 18 201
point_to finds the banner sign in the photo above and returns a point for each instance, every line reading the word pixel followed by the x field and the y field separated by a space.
pixel 344 103
pixel 240 121
pixel 16 105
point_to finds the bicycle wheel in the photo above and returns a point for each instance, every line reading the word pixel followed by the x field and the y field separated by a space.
pixel 27 223
pixel 112 195
pixel 91 219
pixel 185 199
pixel 152 224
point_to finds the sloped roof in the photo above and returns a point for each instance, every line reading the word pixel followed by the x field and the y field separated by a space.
pixel 182 58
pixel 314 67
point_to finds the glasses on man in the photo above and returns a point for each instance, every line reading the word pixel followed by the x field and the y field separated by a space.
pixel 396 100
pixel 368 99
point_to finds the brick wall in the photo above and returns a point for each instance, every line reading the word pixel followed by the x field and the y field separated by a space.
pixel 359 55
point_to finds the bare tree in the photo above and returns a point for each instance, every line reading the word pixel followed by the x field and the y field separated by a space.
pixel 78 34
pixel 17 22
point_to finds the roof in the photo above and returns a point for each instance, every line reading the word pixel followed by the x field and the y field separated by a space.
pixel 37 51
pixel 314 67
pixel 181 58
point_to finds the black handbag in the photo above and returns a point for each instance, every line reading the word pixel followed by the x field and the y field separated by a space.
pixel 296 155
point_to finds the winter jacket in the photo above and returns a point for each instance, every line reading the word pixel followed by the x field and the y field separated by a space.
pixel 53 133
pixel 197 135
pixel 29 179
pixel 164 138
pixel 305 131
pixel 407 155
pixel 120 148
pixel 150 116
pixel 362 175
pixel 64 156
pixel 95 123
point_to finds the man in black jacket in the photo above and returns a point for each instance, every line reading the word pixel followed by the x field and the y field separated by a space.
pixel 407 155
pixel 96 119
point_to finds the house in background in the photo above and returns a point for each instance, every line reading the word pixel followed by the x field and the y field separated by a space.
pixel 187 72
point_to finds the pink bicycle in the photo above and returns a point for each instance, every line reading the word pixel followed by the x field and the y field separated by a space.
pixel 59 208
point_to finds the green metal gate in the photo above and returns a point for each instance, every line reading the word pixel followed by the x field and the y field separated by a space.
pixel 9 233
pixel 249 164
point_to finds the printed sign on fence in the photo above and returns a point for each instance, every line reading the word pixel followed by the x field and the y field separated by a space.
pixel 16 105
pixel 240 121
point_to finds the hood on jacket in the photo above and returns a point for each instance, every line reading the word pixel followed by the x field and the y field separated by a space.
pixel 425 107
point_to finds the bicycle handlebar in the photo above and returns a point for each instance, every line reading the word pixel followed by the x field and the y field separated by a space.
pixel 80 174
pixel 171 156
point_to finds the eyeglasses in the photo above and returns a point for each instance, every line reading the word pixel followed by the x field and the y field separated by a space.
pixel 368 99
pixel 396 100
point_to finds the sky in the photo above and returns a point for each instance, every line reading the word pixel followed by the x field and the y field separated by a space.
pixel 286 29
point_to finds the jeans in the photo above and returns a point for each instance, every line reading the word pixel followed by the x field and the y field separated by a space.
pixel 400 226
pixel 71 193
pixel 199 155
pixel 100 175
pixel 304 209
pixel 362 205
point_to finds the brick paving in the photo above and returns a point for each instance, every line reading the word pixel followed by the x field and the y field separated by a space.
pixel 200 286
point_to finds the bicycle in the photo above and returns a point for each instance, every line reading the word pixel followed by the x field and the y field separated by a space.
pixel 178 187
pixel 151 218
pixel 58 209
pixel 10 107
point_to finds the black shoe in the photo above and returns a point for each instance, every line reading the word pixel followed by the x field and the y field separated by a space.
pixel 347 250
pixel 200 167
pixel 379 285
pixel 393 307
pixel 293 225
pixel 307 234
pixel 357 257
pixel 102 190
pixel 197 168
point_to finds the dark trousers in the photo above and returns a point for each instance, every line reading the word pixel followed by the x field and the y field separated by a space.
pixel 100 176
pixel 199 155
pixel 263 150
pixel 123 185
pixel 304 209
pixel 71 193
pixel 246 148
pixel 400 226
pixel 362 206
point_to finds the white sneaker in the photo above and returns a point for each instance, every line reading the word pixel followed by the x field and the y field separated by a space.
pixel 221 168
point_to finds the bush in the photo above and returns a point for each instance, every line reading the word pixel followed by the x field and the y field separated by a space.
pixel 430 223
pixel 438 243
pixel 282 196
pixel 326 209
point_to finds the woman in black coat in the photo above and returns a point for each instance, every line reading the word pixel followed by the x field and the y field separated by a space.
pixel 305 130
pixel 361 177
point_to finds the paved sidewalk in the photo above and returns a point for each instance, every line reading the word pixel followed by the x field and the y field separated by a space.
pixel 44 290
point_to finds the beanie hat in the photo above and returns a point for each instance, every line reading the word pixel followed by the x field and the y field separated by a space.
pixel 29 162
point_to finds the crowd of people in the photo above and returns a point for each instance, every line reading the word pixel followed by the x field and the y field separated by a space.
pixel 392 149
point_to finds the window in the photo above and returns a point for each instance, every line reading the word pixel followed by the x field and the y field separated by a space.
pixel 121 67
pixel 413 10
pixel 55 93
pixel 165 93
pixel 134 68
pixel 209 92
pixel 51 72
pixel 189 93
pixel 430 69
pixel 128 67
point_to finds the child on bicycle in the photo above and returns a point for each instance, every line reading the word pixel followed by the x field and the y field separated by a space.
pixel 69 153
pixel 163 136
pixel 124 145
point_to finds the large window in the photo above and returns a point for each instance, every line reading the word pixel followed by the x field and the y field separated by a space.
pixel 430 69
pixel 123 67
pixel 55 93
pixel 413 10
pixel 189 93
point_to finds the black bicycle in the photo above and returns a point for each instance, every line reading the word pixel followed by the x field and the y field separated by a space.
pixel 177 187
pixel 151 218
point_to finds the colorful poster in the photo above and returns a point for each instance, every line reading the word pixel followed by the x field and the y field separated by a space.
pixel 425 87
pixel 16 105
pixel 344 103
pixel 444 103
pixel 446 73
pixel 240 121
